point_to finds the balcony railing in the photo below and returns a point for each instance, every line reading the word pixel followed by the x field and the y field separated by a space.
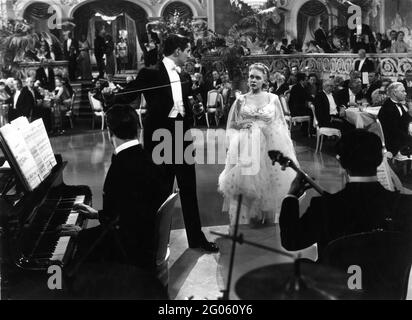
pixel 389 64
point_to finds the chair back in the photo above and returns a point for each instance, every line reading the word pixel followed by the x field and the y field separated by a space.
pixel 142 102
pixel 95 104
pixel 163 226
pixel 284 105
pixel 214 99
pixel 384 259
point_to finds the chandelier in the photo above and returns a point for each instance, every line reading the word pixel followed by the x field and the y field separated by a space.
pixel 108 19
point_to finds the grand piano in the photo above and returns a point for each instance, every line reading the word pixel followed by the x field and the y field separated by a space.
pixel 30 240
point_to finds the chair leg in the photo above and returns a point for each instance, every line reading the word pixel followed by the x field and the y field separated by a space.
pixel 217 120
pixel 317 142
pixel 321 143
pixel 207 119
pixel 71 122
pixel 309 129
pixel 102 122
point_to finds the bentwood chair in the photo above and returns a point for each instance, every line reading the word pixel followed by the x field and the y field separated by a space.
pixel 97 110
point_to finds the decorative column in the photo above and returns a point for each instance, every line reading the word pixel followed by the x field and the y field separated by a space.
pixel 211 14
pixel 3 13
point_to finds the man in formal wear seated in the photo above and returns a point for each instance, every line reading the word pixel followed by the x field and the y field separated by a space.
pixel 374 82
pixel 363 205
pixel 133 192
pixel 349 97
pixel 364 65
pixel 407 83
pixel 327 111
pixel 395 118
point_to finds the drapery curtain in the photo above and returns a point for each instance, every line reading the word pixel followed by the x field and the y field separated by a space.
pixel 308 20
pixel 131 40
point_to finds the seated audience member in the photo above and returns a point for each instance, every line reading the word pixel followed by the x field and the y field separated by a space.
pixel 198 67
pixel 215 83
pixel 5 98
pixel 199 88
pixel 312 47
pixel 312 85
pixel 379 96
pixel 327 111
pixel 292 76
pixel 61 104
pixel 133 191
pixel 374 82
pixel 363 205
pixel 299 99
pixel 354 74
pixel 66 83
pixel 395 119
pixel 407 83
pixel 293 46
pixel 339 84
pixel 284 47
pixel 279 86
pixel 349 97
pixel 385 44
pixel 400 46
pixel 271 47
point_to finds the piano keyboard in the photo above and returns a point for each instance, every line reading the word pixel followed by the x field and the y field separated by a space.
pixel 63 242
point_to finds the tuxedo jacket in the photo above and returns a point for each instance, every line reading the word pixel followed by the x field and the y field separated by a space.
pixel 25 104
pixel 47 82
pixel 395 127
pixel 342 97
pixel 359 207
pixel 368 65
pixel 298 100
pixel 160 103
pixel 322 109
pixel 99 47
pixel 72 52
pixel 133 191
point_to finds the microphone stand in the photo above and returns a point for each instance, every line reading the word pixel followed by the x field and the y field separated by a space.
pixel 232 254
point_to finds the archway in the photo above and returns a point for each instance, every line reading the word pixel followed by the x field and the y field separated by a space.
pixel 309 16
pixel 119 19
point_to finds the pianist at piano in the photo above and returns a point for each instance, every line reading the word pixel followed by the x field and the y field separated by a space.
pixel 362 206
pixel 55 231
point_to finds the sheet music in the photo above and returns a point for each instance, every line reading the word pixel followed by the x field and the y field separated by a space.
pixel 43 142
pixel 22 155
pixel 33 143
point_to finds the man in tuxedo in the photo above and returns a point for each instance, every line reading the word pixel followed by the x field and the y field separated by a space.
pixel 348 97
pixel 363 205
pixel 364 64
pixel 299 97
pixel 24 100
pixel 395 119
pixel 71 51
pixel 46 77
pixel 327 111
pixel 133 192
pixel 168 109
pixel 321 38
pixel 374 82
pixel 215 83
pixel 99 51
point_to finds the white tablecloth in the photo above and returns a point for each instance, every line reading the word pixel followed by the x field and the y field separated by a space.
pixel 362 119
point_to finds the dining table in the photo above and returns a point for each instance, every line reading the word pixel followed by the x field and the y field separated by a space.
pixel 362 117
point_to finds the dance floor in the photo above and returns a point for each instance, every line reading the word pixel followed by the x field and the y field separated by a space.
pixel 193 273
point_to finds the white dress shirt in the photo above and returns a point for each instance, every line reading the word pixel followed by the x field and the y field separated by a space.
pixel 172 71
pixel 69 43
pixel 352 97
pixel 361 64
pixel 126 145
pixel 333 109
pixel 399 108
pixel 16 97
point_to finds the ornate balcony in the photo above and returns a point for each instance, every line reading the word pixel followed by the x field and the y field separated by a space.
pixel 390 65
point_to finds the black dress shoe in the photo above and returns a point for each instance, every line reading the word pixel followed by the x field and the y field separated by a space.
pixel 206 246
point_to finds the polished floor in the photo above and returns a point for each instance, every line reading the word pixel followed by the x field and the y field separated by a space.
pixel 194 274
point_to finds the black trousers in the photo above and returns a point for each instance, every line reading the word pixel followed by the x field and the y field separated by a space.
pixel 72 68
pixel 186 180
pixel 100 66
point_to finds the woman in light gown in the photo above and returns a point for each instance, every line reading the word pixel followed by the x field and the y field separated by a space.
pixel 256 124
